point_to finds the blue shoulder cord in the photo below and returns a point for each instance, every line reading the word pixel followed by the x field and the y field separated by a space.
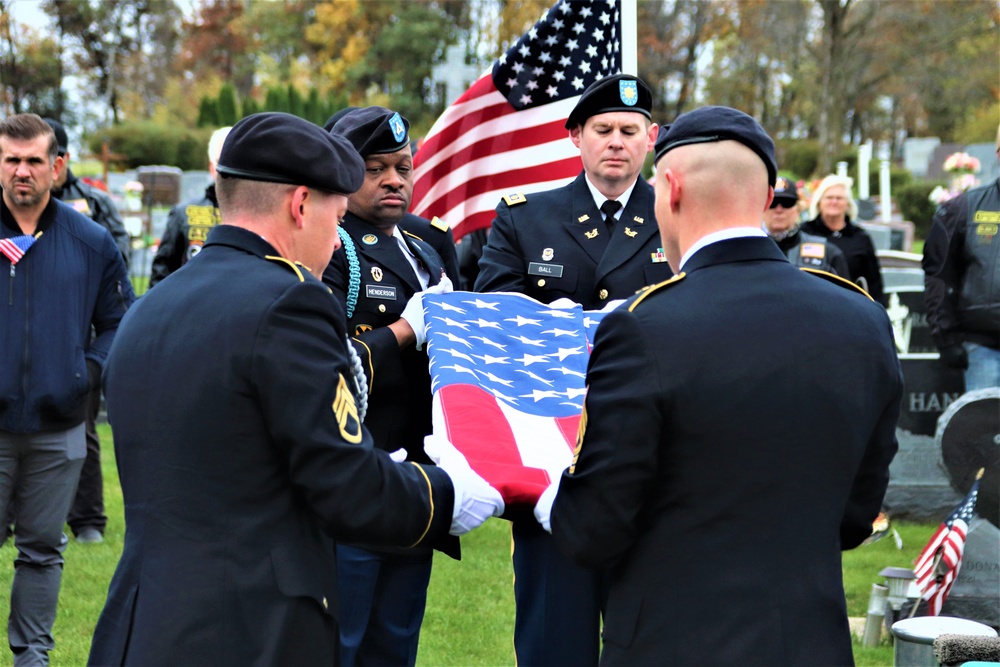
pixel 353 289
pixel 354 269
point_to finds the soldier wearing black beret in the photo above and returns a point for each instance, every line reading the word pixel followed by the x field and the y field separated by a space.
pixel 724 405
pixel 383 265
pixel 593 241
pixel 436 233
pixel 239 473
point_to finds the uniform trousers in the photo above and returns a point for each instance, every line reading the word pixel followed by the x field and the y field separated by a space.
pixel 88 505
pixel 39 472
pixel 558 604
pixel 381 598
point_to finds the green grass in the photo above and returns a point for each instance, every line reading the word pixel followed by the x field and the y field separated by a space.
pixel 470 604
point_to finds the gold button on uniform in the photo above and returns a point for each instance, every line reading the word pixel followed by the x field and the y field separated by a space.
pixel 603 294
pixel 325 605
pixel 381 308
pixel 541 282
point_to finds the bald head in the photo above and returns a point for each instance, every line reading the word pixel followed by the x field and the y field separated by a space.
pixel 707 187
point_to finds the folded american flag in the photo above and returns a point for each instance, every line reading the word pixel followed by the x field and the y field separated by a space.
pixel 507 373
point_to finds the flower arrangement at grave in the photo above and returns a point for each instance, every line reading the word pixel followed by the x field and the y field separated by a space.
pixel 963 169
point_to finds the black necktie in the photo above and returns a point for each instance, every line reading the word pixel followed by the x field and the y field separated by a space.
pixel 609 208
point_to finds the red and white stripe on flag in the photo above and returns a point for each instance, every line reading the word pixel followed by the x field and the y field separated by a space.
pixel 481 148
pixel 507 132
pixel 517 453
pixel 939 563
pixel 950 544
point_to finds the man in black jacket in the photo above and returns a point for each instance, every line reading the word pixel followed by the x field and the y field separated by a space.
pixel 781 222
pixel 189 222
pixel 961 283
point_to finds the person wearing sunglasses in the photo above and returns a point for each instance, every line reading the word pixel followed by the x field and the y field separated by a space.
pixel 781 222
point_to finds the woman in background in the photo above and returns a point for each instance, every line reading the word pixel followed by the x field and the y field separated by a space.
pixel 830 212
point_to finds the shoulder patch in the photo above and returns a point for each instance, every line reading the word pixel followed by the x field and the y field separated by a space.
pixel 439 224
pixel 289 264
pixel 646 291
pixel 514 199
pixel 836 280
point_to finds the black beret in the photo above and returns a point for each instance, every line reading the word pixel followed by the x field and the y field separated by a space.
pixel 332 120
pixel 61 141
pixel 374 130
pixel 282 148
pixel 710 124
pixel 621 92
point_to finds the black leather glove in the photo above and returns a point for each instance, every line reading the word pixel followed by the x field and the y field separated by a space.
pixel 954 356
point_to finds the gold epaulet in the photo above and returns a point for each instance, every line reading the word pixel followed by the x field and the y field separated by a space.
pixel 439 224
pixel 294 266
pixel 514 199
pixel 836 280
pixel 646 291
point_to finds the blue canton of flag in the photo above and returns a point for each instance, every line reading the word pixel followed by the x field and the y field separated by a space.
pixel 574 45
pixel 525 353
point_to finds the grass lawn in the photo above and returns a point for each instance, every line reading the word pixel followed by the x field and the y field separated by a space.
pixel 470 606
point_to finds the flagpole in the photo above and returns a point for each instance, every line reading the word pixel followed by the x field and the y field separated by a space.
pixel 630 41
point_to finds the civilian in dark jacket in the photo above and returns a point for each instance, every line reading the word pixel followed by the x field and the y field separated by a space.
pixel 65 277
pixel 832 210
pixel 189 223
pixel 962 283
pixel 86 517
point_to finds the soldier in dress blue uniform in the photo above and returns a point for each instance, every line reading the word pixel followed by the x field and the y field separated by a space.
pixel 231 512
pixel 383 592
pixel 781 222
pixel 435 232
pixel 592 241
pixel 560 243
pixel 716 419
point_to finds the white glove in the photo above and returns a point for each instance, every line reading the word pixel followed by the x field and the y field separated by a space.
pixel 398 456
pixel 413 313
pixel 445 284
pixel 564 303
pixel 543 508
pixel 611 305
pixel 475 500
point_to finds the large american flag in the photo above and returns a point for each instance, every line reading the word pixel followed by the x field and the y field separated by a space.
pixel 507 374
pixel 939 563
pixel 506 133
